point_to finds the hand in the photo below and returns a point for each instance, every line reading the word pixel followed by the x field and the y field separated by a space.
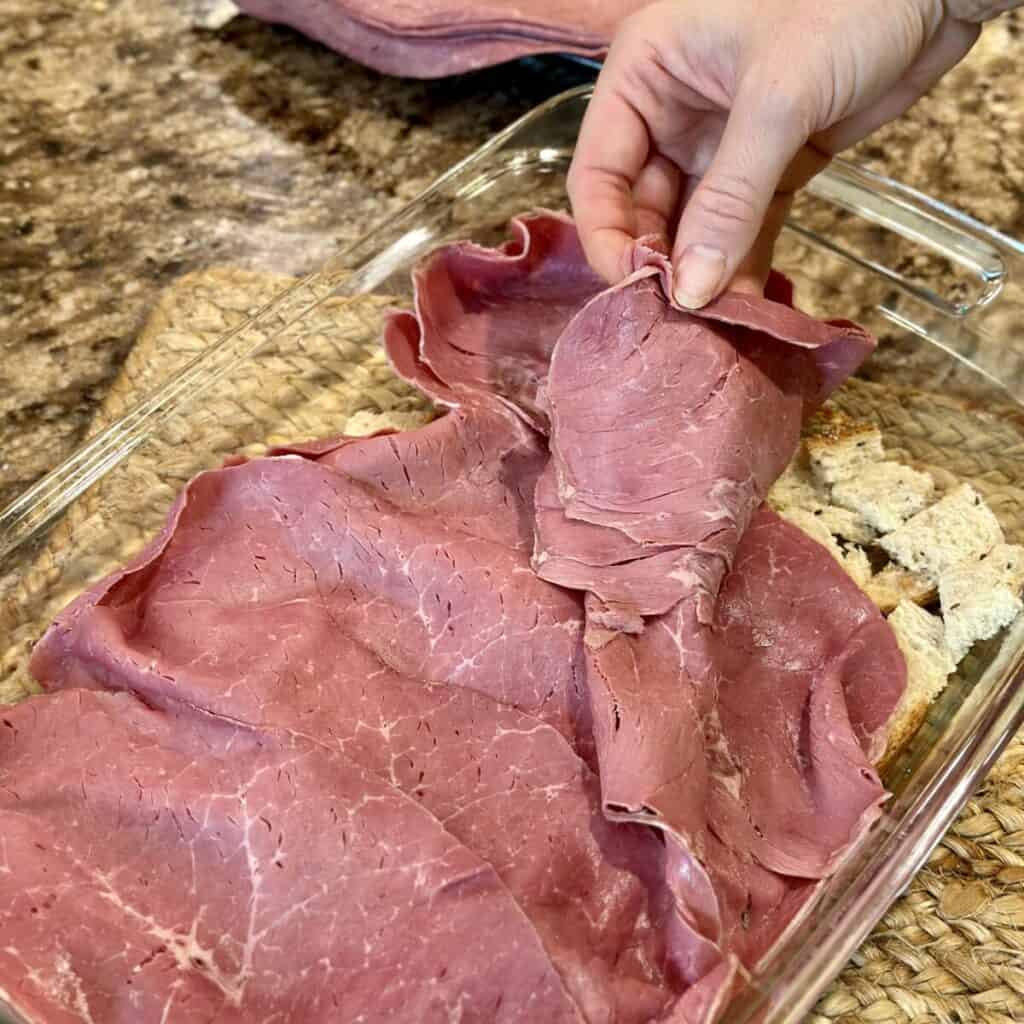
pixel 707 116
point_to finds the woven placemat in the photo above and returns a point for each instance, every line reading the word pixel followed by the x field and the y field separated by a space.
pixel 951 949
pixel 327 376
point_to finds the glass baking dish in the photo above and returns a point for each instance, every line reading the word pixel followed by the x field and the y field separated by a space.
pixel 942 292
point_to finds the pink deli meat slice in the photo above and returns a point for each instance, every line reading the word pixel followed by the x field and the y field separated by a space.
pixel 667 427
pixel 667 432
pixel 167 869
pixel 838 346
pixel 443 37
pixel 556 19
pixel 370 604
pixel 292 545
pixel 509 787
pixel 488 319
pixel 779 703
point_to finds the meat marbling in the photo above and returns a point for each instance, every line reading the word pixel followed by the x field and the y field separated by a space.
pixel 347 639
pixel 195 870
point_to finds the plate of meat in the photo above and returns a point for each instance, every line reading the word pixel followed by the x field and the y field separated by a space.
pixel 449 636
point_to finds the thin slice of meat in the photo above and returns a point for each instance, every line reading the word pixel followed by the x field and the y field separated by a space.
pixel 434 38
pixel 784 611
pixel 777 703
pixel 557 18
pixel 575 554
pixel 659 418
pixel 510 788
pixel 667 429
pixel 838 346
pixel 168 869
pixel 489 318
pixel 287 537
pixel 368 606
pixel 475 469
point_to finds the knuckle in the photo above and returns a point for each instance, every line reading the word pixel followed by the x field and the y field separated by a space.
pixel 641 77
pixel 732 198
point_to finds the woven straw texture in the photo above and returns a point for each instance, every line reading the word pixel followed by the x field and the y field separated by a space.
pixel 950 950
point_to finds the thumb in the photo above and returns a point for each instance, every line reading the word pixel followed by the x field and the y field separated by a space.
pixel 727 210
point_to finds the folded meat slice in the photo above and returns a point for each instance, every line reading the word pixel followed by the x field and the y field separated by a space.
pixel 488 319
pixel 838 346
pixel 667 430
pixel 778 704
pixel 783 613
pixel 169 869
pixel 575 554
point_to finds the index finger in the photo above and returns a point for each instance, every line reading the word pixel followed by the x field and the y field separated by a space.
pixel 612 149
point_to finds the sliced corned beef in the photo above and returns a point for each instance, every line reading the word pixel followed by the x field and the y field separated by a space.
pixel 365 611
pixel 183 869
pixel 667 427
pixel 432 38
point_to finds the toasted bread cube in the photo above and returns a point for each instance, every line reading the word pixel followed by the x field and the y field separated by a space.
pixel 979 598
pixel 841 522
pixel 797 489
pixel 958 528
pixel 856 563
pixel 885 494
pixel 894 584
pixel 921 638
pixel 838 446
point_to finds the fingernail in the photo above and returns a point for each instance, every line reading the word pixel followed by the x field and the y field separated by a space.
pixel 698 276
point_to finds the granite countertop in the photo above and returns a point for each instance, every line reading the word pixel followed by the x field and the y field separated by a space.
pixel 136 146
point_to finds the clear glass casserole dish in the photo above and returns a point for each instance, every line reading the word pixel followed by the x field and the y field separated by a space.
pixel 944 294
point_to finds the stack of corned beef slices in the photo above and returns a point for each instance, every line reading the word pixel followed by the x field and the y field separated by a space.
pixel 434 38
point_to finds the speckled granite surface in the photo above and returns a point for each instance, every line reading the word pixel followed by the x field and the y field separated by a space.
pixel 135 146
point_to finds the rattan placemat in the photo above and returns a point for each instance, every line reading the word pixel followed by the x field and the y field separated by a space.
pixel 951 949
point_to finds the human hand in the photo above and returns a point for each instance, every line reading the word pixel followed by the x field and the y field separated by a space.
pixel 708 116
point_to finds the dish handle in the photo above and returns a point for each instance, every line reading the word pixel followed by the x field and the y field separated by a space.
pixel 920 220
